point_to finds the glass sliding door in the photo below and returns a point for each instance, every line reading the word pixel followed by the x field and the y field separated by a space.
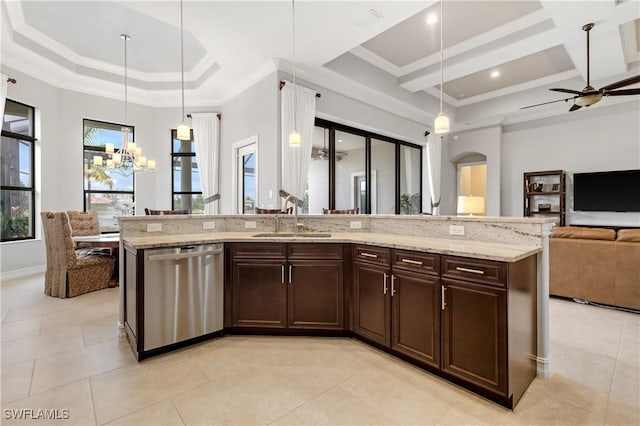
pixel 383 176
pixel 317 193
pixel 350 171
pixel 246 167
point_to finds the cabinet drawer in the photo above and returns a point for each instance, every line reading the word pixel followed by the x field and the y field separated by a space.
pixel 416 261
pixel 259 250
pixel 314 251
pixel 477 270
pixel 372 254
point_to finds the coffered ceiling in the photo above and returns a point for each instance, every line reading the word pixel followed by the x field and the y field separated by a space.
pixel 383 53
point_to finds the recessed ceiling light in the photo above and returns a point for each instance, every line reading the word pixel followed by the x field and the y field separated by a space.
pixel 432 18
pixel 495 74
pixel 339 140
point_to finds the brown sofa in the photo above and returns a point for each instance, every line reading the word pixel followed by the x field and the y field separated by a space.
pixel 596 264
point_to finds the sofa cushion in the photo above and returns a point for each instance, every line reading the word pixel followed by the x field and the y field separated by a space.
pixel 583 233
pixel 632 235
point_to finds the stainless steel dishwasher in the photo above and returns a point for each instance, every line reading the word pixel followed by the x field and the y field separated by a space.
pixel 183 293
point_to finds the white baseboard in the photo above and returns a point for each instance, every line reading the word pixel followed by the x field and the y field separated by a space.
pixel 543 367
pixel 24 272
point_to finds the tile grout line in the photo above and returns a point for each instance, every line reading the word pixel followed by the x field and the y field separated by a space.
pixel 177 411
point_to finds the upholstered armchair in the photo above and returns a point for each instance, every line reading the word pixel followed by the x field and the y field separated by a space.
pixel 71 272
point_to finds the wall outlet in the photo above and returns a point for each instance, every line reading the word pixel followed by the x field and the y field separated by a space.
pixel 355 224
pixel 456 229
pixel 154 227
pixel 208 225
pixel 250 224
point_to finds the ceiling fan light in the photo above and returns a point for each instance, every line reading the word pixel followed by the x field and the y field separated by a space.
pixel 183 132
pixel 294 139
pixel 441 124
pixel 588 100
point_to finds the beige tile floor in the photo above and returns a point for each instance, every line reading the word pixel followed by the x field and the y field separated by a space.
pixel 64 354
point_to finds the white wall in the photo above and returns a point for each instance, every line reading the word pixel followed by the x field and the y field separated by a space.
pixel 253 112
pixel 601 139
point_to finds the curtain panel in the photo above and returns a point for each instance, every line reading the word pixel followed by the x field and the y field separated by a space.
pixel 434 158
pixel 295 160
pixel 206 136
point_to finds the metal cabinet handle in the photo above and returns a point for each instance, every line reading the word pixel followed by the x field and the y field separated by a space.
pixel 282 270
pixel 393 285
pixel 444 303
pixel 384 283
pixel 412 262
pixel 290 269
pixel 473 271
pixel 374 256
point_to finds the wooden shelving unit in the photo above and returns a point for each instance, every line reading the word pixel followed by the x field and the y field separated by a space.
pixel 546 187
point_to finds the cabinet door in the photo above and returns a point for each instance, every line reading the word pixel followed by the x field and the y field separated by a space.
pixel 371 302
pixel 316 294
pixel 416 316
pixel 259 294
pixel 475 334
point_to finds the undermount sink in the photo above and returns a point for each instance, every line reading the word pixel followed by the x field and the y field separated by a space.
pixel 289 235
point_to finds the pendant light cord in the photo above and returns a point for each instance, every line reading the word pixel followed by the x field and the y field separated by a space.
pixel 182 61
pixel 441 56
pixel 293 26
pixel 126 112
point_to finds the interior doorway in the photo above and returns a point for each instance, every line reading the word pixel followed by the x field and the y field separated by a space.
pixel 472 187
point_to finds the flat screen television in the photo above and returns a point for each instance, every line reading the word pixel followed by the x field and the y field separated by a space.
pixel 616 191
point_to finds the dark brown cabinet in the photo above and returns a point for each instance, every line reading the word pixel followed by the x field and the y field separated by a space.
pixel 398 306
pixel 280 285
pixel 489 325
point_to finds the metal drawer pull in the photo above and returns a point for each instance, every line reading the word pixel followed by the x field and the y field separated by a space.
pixel 393 285
pixel 473 271
pixel 282 267
pixel 412 262
pixel 444 303
pixel 290 269
pixel 384 285
pixel 375 256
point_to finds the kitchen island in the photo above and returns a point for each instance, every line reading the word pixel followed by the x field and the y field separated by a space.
pixel 462 308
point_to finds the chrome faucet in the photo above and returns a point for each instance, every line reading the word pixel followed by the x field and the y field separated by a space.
pixel 293 200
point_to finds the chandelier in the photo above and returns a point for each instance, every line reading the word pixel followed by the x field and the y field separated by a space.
pixel 128 159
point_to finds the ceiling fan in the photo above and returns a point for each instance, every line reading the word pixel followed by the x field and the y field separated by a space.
pixel 589 95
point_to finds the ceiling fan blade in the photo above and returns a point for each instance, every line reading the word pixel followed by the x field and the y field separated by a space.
pixel 574 107
pixel 546 103
pixel 622 92
pixel 573 92
pixel 622 83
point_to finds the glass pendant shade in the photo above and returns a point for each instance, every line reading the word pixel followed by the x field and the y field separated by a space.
pixel 294 138
pixel 183 132
pixel 441 124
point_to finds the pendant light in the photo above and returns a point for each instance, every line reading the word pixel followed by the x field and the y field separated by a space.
pixel 441 124
pixel 183 131
pixel 294 136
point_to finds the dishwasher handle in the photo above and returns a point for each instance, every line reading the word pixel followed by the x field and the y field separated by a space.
pixel 178 256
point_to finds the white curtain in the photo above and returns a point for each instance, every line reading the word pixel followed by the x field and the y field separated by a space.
pixel 434 158
pixel 3 94
pixel 206 136
pixel 295 160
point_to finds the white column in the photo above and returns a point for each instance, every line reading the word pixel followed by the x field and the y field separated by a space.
pixel 544 348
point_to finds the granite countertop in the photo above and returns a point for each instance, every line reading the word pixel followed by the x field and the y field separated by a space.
pixel 457 247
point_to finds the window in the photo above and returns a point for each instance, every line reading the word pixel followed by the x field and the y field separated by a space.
pixel 110 193
pixel 245 165
pixel 186 190
pixel 17 197
pixel 352 168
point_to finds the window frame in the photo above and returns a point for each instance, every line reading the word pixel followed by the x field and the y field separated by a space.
pixel 102 150
pixel 32 189
pixel 333 126
pixel 174 155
